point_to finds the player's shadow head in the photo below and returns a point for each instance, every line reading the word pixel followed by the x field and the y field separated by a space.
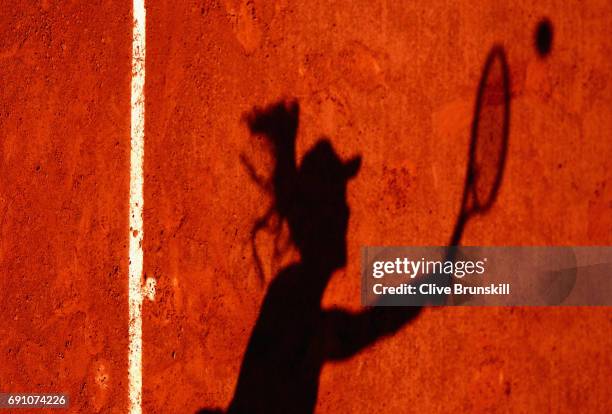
pixel 319 218
pixel 309 197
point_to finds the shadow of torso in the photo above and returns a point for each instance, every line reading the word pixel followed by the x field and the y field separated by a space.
pixel 281 366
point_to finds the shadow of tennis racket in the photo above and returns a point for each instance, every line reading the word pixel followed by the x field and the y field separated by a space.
pixel 486 157
pixel 488 143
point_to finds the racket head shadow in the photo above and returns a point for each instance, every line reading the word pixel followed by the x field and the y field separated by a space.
pixel 490 130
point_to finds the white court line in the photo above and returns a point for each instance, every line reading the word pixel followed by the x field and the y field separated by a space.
pixel 135 288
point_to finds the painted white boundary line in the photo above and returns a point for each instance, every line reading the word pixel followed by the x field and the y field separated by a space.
pixel 135 288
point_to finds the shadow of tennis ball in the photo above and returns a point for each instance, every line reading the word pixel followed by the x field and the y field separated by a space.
pixel 543 37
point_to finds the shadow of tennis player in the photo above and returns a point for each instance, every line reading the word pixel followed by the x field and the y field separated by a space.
pixel 294 336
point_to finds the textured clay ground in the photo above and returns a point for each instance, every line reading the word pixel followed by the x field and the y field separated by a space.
pixel 392 81
pixel 64 172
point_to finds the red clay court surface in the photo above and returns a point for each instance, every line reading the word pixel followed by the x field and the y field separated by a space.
pixel 392 81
